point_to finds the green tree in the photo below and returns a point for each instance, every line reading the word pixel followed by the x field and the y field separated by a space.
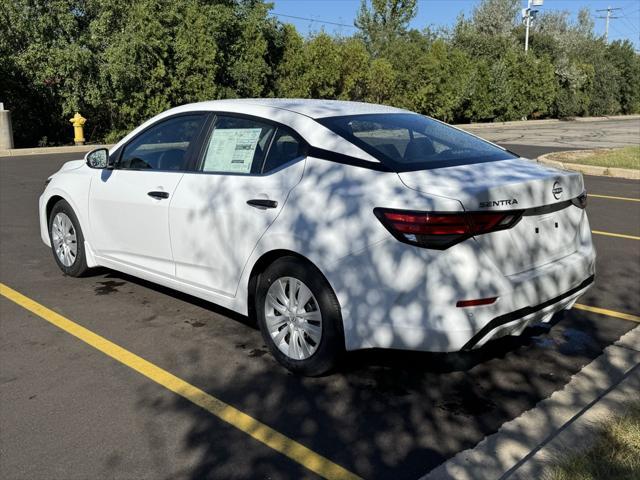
pixel 574 84
pixel 136 72
pixel 248 66
pixel 354 69
pixel 477 104
pixel 48 66
pixel 383 21
pixel 444 73
pixel 291 69
pixel 196 55
pixel 404 53
pixel 495 17
pixel 120 62
pixel 477 43
pixel 381 81
pixel 321 75
pixel 621 56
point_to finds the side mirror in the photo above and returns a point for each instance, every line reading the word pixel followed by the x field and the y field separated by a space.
pixel 98 158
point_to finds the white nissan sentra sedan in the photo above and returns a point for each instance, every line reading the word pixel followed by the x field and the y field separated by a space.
pixel 337 225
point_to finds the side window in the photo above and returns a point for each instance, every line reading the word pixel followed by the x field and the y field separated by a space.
pixel 284 148
pixel 237 145
pixel 163 146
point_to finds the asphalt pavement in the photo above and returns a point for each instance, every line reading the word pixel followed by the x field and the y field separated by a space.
pixel 69 411
pixel 567 135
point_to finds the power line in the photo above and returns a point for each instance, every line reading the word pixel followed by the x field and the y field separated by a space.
pixel 314 20
pixel 633 12
pixel 619 35
pixel 630 25
pixel 630 22
pixel 608 17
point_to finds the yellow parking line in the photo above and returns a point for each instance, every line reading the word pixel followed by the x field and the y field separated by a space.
pixel 617 235
pixel 240 420
pixel 608 313
pixel 593 195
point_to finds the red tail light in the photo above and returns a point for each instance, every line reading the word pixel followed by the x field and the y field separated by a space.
pixel 441 230
pixel 476 303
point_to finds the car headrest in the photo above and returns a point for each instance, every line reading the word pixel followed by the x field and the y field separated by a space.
pixel 419 148
pixel 171 160
pixel 287 149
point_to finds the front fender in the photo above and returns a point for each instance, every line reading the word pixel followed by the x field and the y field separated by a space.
pixel 73 186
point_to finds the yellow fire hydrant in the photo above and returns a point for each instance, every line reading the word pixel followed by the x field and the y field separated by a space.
pixel 78 122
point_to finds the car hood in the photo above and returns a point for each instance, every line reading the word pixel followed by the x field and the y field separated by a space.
pixel 71 165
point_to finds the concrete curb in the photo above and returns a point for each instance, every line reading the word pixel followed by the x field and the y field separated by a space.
pixel 590 169
pixel 523 446
pixel 546 121
pixel 16 152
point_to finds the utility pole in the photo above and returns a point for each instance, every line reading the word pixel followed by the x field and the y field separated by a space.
pixel 527 14
pixel 608 17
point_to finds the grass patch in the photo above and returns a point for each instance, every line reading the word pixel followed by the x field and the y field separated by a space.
pixel 615 452
pixel 627 157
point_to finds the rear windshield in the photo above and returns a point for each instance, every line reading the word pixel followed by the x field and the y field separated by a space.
pixel 407 142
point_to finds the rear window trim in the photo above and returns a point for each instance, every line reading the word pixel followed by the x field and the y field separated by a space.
pixel 344 159
pixel 304 148
pixel 390 165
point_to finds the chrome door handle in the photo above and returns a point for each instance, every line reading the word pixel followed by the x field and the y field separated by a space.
pixel 158 195
pixel 262 203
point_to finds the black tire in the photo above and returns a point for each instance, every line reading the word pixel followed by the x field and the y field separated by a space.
pixel 79 266
pixel 331 346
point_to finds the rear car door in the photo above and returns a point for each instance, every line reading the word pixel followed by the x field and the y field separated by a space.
pixel 129 205
pixel 246 170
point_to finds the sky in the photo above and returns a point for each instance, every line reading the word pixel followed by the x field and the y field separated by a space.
pixel 443 13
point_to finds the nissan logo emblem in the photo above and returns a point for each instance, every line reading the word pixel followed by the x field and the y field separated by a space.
pixel 557 190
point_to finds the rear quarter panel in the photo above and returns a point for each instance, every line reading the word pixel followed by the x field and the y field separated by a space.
pixel 329 218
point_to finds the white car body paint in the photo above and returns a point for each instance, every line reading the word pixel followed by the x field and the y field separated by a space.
pixel 122 221
pixel 392 295
pixel 213 230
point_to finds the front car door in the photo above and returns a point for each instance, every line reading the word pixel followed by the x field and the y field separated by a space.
pixel 129 205
pixel 247 169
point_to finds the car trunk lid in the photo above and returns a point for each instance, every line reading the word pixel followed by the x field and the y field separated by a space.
pixel 549 227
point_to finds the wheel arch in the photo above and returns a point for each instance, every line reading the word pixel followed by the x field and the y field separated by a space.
pixel 56 197
pixel 260 266
pixel 51 203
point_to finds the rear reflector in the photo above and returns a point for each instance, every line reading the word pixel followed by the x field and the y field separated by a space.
pixel 440 230
pixel 476 303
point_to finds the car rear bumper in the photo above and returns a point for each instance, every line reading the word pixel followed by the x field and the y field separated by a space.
pixel 515 322
pixel 389 303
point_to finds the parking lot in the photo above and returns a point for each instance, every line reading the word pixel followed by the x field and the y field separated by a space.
pixel 68 410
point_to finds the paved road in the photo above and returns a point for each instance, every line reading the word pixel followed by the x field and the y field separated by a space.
pixel 68 411
pixel 545 138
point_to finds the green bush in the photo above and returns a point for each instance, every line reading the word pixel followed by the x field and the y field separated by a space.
pixel 120 62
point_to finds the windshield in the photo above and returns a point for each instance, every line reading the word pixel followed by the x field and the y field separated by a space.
pixel 407 142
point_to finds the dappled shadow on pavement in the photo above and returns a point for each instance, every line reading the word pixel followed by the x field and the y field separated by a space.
pixel 384 413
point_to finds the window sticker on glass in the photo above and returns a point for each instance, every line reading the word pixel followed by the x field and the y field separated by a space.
pixel 232 150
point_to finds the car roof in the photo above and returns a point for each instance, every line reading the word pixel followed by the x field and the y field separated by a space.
pixel 308 107
pixel 298 114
